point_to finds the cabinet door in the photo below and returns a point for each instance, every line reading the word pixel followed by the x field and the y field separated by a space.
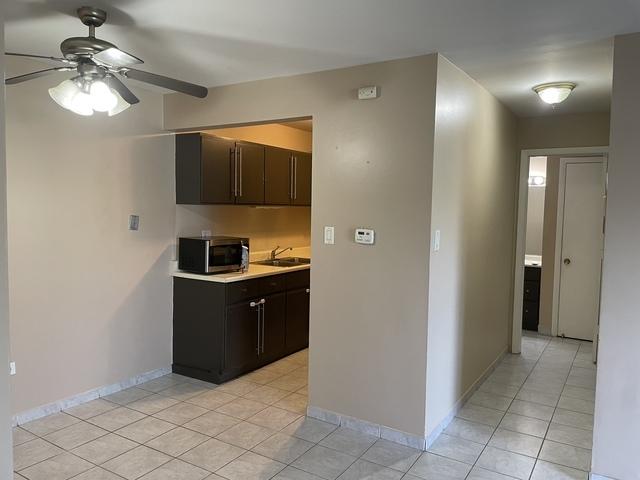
pixel 250 174
pixel 273 334
pixel 242 330
pixel 277 176
pixel 302 179
pixel 297 324
pixel 217 170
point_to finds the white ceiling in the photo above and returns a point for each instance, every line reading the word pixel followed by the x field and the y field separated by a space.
pixel 507 45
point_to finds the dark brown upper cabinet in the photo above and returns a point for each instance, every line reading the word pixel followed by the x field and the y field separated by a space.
pixel 213 170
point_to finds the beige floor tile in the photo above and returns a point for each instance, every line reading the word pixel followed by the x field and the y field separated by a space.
pixel 294 403
pixel 567 455
pixel 241 408
pixel 97 473
pixel 362 469
pixel 543 398
pixel 153 404
pixel 262 376
pixel 435 467
pixel 212 423
pixel 251 466
pixel 507 463
pixel 184 391
pixel 32 452
pixel 490 400
pixel 392 455
pixel 267 395
pixel 21 436
pixel 104 448
pixel 550 471
pixel 161 383
pixel 136 462
pixel 579 392
pixel 237 387
pixel 309 429
pixel 60 467
pixel 324 462
pixel 573 419
pixel 177 441
pixel 176 470
pixel 91 409
pixel 126 396
pixel 533 410
pixel 284 366
pixel 476 432
pixel 274 418
pixel 576 404
pixel 245 435
pixel 304 390
pixel 146 429
pixel 478 473
pixel 212 399
pixel 49 424
pixel 212 454
pixel 478 414
pixel 457 448
pixel 516 442
pixel 570 435
pixel 291 473
pixel 75 435
pixel 289 382
pixel 116 419
pixel 283 448
pixel 527 425
pixel 180 413
pixel 499 389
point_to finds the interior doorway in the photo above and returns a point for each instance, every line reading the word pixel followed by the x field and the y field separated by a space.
pixel 559 241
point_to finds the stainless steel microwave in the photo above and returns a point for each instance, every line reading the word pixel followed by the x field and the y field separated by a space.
pixel 213 254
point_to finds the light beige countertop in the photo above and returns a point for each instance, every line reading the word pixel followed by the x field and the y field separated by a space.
pixel 254 271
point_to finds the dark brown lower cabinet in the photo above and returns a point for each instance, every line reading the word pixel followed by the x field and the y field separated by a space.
pixel 223 330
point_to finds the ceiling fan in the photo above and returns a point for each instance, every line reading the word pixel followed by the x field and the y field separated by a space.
pixel 98 63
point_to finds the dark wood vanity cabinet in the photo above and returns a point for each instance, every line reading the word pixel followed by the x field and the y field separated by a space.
pixel 223 330
pixel 214 170
pixel 531 298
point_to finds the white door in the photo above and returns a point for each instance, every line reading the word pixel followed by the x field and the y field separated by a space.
pixel 581 247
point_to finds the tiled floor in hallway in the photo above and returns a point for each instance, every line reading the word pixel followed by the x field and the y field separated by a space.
pixel 531 419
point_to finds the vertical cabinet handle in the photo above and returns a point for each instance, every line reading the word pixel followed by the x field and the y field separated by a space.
pixel 263 307
pixel 291 177
pixel 295 178
pixel 259 324
pixel 240 174
pixel 308 290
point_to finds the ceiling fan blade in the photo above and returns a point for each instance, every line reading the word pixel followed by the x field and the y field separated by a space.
pixel 32 75
pixel 126 94
pixel 116 57
pixel 166 82
pixel 39 57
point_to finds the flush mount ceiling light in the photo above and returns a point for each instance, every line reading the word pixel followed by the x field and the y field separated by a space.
pixel 554 93
pixel 96 88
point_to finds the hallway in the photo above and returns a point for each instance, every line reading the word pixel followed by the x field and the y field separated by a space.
pixel 531 419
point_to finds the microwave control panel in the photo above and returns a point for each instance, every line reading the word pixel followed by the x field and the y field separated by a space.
pixel 365 236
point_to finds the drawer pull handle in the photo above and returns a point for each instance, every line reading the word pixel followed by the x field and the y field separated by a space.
pixel 308 290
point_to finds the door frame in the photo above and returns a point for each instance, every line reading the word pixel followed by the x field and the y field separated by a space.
pixel 521 228
pixel 555 305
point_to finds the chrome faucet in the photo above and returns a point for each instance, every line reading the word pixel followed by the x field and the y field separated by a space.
pixel 275 252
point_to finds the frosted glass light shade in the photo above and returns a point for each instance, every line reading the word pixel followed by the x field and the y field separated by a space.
pixel 120 106
pixel 102 98
pixel 554 93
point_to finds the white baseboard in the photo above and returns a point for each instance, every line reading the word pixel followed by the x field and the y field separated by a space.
pixel 594 476
pixel 544 330
pixel 85 397
pixel 435 433
pixel 381 431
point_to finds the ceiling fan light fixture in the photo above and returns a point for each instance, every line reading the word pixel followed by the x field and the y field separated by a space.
pixel 102 97
pixel 120 106
pixel 554 93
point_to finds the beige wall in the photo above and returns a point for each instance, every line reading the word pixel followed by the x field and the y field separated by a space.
pixel 5 415
pixel 557 131
pixel 549 244
pixel 265 226
pixel 90 300
pixel 617 414
pixel 372 167
pixel 471 277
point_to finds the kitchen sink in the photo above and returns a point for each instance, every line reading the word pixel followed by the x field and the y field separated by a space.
pixel 284 262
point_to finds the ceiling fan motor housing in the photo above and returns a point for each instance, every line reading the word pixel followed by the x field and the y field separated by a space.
pixel 91 16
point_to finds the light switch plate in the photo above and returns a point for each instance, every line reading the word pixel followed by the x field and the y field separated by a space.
pixel 329 235
pixel 368 92
pixel 134 222
pixel 436 241
pixel 12 368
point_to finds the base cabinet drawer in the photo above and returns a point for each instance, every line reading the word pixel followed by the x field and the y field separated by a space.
pixel 297 320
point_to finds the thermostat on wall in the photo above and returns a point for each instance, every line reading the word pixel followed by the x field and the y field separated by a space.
pixel 365 236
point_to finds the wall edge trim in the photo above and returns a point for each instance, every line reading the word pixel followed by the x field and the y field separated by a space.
pixel 75 400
